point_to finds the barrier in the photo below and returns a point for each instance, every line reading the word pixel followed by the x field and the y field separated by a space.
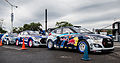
pixel 1 42
pixel 23 45
pixel 85 56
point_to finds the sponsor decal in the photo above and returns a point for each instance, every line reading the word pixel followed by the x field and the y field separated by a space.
pixel 64 39
pixel 61 46
pixel 75 48
pixel 72 41
pixel 70 47
pixel 76 41
pixel 55 46
pixel 65 47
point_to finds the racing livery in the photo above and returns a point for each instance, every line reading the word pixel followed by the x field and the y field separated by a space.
pixel 31 38
pixel 9 38
pixel 77 38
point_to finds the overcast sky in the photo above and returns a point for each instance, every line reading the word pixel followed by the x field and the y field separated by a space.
pixel 86 13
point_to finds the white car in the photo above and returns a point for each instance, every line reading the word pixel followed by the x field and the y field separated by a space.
pixel 31 38
pixel 9 38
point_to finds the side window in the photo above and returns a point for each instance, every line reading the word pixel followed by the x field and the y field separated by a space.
pixel 66 30
pixel 54 31
pixel 58 31
pixel 25 33
pixel 21 33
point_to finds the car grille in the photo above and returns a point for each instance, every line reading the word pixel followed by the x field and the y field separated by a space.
pixel 107 43
pixel 43 40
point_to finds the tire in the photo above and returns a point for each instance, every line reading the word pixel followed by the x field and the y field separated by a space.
pixel 3 42
pixel 17 43
pixel 81 46
pixel 50 44
pixel 30 43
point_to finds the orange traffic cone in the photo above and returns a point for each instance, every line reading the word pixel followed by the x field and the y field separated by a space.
pixel 23 45
pixel 1 42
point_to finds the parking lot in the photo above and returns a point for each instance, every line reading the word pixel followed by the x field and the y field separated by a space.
pixel 13 54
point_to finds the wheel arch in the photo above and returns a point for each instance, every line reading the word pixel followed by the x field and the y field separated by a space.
pixel 85 42
pixel 30 38
pixel 49 39
pixel 17 39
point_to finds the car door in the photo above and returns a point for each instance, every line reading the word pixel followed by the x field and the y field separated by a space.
pixel 67 32
pixel 70 35
pixel 20 37
pixel 25 36
pixel 56 32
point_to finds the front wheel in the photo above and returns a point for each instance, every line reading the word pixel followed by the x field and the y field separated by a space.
pixel 50 44
pixel 30 43
pixel 17 42
pixel 81 46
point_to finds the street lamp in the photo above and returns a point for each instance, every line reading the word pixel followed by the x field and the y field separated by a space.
pixel 12 15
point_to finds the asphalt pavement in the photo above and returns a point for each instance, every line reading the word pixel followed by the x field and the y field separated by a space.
pixel 13 54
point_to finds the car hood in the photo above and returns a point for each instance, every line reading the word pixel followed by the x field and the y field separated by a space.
pixel 98 35
pixel 40 36
pixel 89 35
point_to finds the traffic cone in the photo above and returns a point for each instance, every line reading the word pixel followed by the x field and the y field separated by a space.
pixel 85 56
pixel 23 45
pixel 1 42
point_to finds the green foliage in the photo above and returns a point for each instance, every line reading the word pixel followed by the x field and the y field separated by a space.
pixel 32 26
pixel 109 31
pixel 63 24
pixel 2 31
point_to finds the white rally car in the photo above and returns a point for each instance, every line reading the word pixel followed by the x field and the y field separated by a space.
pixel 31 38
pixel 9 38
pixel 74 38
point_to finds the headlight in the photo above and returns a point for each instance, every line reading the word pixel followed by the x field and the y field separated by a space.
pixel 95 38
pixel 37 42
pixel 97 45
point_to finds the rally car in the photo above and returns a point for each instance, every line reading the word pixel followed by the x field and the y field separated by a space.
pixel 9 38
pixel 31 38
pixel 75 38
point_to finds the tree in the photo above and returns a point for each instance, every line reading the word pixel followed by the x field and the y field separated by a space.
pixel 32 26
pixel 2 31
pixel 15 30
pixel 63 24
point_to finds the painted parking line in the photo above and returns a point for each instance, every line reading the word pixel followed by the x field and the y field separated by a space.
pixel 11 47
pixel 65 57
pixel 117 46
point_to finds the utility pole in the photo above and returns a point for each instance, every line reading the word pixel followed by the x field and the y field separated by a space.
pixel 12 14
pixel 46 20
pixel 1 22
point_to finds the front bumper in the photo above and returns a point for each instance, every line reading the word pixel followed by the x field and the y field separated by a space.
pixel 36 43
pixel 102 49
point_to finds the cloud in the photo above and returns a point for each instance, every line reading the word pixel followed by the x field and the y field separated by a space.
pixel 88 13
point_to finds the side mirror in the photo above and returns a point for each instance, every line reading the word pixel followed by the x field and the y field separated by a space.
pixel 113 37
pixel 68 32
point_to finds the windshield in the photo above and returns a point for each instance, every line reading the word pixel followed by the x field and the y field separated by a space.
pixel 80 30
pixel 13 35
pixel 33 32
pixel 100 36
